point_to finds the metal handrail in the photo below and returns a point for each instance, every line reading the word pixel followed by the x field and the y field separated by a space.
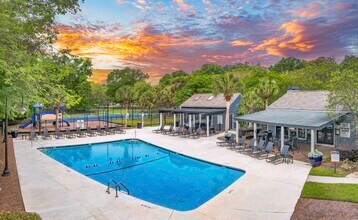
pixel 121 184
pixel 117 187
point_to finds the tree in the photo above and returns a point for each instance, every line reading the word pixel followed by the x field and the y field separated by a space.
pixel 266 89
pixel 98 94
pixel 287 64
pixel 139 89
pixel 250 102
pixel 344 89
pixel 227 84
pixel 120 78
pixel 125 95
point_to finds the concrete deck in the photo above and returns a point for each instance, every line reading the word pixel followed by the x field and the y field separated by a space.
pixel 327 179
pixel 55 191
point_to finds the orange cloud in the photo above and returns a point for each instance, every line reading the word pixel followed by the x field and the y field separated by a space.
pixel 241 43
pixel 293 39
pixel 313 10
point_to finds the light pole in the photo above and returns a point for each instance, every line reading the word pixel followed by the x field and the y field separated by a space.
pixel 6 171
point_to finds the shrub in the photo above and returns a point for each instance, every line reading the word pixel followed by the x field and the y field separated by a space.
pixel 351 155
pixel 19 215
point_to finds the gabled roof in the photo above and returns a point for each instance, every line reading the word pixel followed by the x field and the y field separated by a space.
pixel 207 100
pixel 302 100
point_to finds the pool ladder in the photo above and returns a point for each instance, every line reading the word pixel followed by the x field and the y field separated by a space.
pixel 117 187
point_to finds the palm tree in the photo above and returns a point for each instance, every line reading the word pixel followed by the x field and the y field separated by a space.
pixel 252 102
pixel 125 96
pixel 227 84
pixel 266 88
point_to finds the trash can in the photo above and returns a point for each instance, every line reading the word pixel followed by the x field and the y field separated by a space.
pixel 139 125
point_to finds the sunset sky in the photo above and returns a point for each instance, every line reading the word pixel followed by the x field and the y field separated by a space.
pixel 161 36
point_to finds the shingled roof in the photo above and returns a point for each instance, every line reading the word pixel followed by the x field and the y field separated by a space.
pixel 207 100
pixel 302 100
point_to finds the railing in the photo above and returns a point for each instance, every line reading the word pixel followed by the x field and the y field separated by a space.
pixel 117 187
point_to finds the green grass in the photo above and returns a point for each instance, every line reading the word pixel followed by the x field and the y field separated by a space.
pixel 330 191
pixel 322 171
pixel 147 121
pixel 19 215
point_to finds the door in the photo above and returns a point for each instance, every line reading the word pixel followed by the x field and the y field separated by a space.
pixel 326 135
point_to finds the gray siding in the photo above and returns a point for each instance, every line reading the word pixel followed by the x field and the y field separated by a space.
pixel 348 143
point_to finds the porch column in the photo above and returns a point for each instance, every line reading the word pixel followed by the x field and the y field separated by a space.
pixel 255 128
pixel 160 119
pixel 312 140
pixel 207 126
pixel 199 120
pixel 189 121
pixel 282 136
pixel 175 121
pixel 194 120
pixel 181 118
pixel 142 119
pixel 237 131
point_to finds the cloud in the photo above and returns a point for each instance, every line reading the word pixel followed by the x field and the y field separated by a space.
pixel 311 11
pixel 241 43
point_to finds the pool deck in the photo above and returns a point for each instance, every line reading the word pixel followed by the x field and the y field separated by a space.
pixel 55 191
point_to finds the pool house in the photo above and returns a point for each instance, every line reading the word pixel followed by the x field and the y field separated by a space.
pixel 205 110
pixel 302 116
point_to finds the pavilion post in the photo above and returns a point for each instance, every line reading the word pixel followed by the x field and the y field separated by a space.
pixel 189 121
pixel 237 131
pixel 282 136
pixel 160 119
pixel 194 116
pixel 312 140
pixel 207 125
pixel 175 121
pixel 255 134
pixel 199 120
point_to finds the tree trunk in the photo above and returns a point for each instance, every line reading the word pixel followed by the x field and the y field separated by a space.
pixel 227 116
pixel 266 103
pixel 126 118
pixel 57 110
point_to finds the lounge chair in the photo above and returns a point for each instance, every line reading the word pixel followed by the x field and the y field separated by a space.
pixel 267 151
pixel 227 142
pixel 90 132
pixel 187 132
pixel 79 133
pixel 119 130
pixel 58 134
pixel 159 130
pixel 196 133
pixel 177 132
pixel 69 134
pixel 248 148
pixel 240 145
pixel 281 157
pixel 259 150
pixel 168 131
pixel 33 135
pixel 46 135
pixel 108 131
pixel 100 131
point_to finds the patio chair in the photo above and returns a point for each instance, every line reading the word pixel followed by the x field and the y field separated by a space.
pixel 69 134
pixel 227 141
pixel 108 131
pixel 267 151
pixel 46 135
pixel 33 135
pixel 240 145
pixel 177 132
pixel 90 132
pixel 185 132
pixel 167 131
pixel 248 147
pixel 196 133
pixel 119 130
pixel 99 131
pixel 58 134
pixel 259 151
pixel 260 147
pixel 79 133
pixel 159 130
pixel 281 157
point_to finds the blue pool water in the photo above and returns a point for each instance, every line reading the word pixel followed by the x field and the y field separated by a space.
pixel 150 173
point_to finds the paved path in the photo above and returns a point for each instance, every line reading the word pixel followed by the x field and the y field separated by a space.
pixel 327 179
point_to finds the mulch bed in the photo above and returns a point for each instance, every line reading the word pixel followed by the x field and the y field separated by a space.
pixel 316 209
pixel 10 192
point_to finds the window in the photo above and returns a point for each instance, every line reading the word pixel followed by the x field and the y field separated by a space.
pixel 210 98
pixel 302 134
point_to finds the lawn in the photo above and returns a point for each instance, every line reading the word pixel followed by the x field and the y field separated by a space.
pixel 323 171
pixel 330 191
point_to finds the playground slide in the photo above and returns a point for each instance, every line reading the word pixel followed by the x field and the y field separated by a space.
pixel 33 120
pixel 26 124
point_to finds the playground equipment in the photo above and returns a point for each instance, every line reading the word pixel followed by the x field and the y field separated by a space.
pixel 40 116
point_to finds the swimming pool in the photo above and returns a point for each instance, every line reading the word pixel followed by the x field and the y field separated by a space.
pixel 149 172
